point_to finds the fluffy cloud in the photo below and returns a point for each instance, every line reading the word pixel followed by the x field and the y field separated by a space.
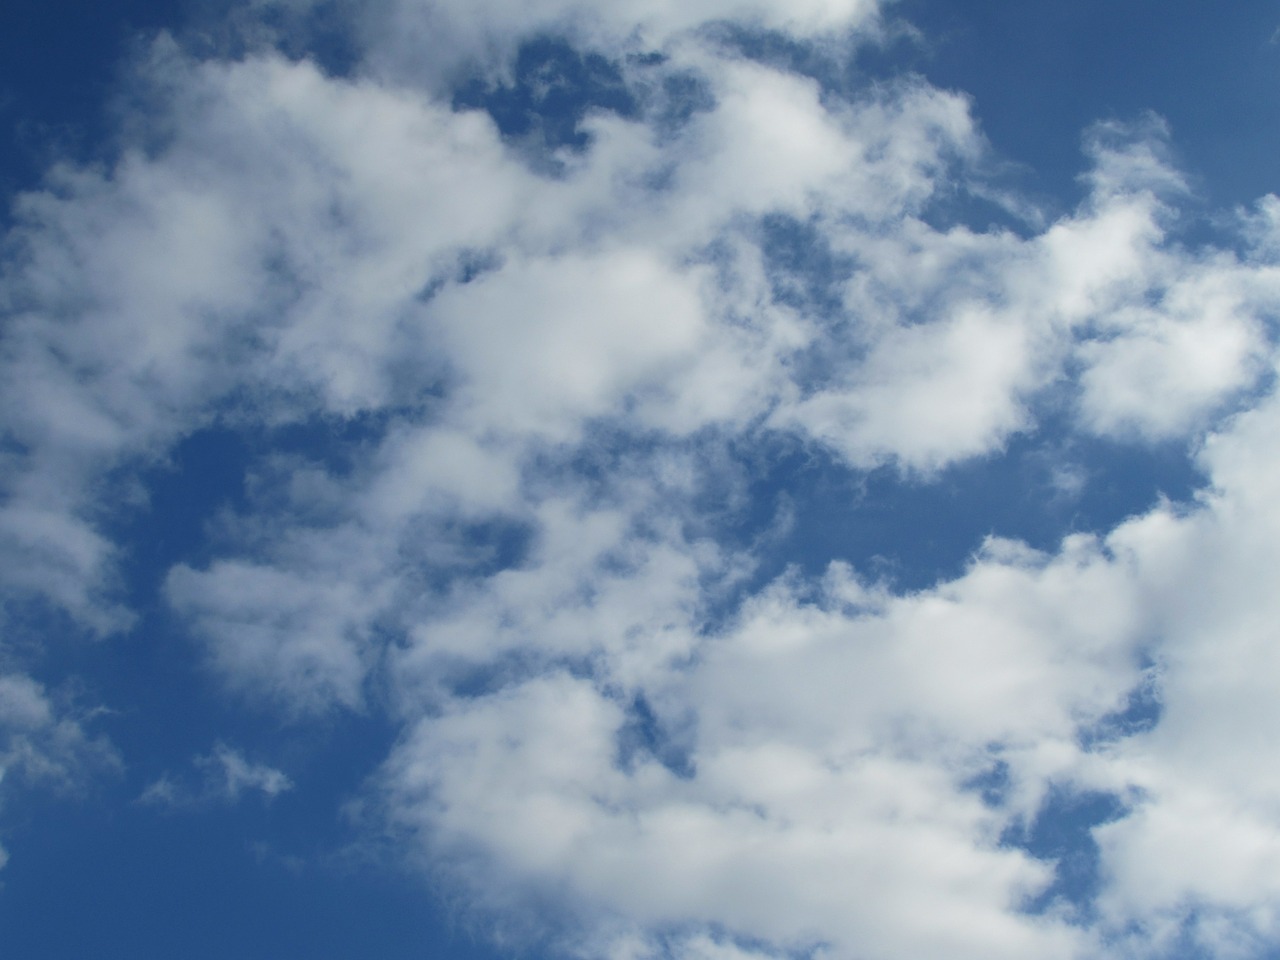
pixel 810 779
pixel 559 377
pixel 1204 769
pixel 813 776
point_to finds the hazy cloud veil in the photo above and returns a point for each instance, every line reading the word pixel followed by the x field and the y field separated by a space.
pixel 547 353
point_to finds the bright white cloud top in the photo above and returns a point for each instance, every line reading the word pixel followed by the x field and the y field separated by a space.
pixel 544 377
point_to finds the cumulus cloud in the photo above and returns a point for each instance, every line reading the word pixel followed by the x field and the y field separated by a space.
pixel 561 376
pixel 810 779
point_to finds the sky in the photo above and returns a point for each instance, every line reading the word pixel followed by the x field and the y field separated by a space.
pixel 717 480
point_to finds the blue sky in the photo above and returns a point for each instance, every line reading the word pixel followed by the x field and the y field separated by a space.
pixel 723 480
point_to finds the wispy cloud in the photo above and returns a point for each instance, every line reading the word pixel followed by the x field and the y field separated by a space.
pixel 46 739
pixel 225 776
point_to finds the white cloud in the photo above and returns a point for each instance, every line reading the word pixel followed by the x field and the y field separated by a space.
pixel 226 777
pixel 431 42
pixel 1204 769
pixel 265 274
pixel 581 362
pixel 833 741
pixel 590 332
pixel 831 748
pixel 295 635
pixel 233 774
pixel 46 742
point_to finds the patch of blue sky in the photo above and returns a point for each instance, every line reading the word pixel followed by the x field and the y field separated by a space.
pixel 214 475
pixel 645 734
pixel 913 532
pixel 1062 834
pixel 1141 713
pixel 319 32
pixel 223 490
pixel 206 879
pixel 552 88
pixel 1040 74
pixel 675 100
pixel 59 63
pixel 805 272
pixel 470 265
pixel 120 881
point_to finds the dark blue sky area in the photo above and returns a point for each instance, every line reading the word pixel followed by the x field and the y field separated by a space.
pixel 117 881
pixel 58 61
pixel 915 532
pixel 1040 72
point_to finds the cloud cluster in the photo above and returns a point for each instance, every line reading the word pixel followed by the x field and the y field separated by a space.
pixel 554 381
